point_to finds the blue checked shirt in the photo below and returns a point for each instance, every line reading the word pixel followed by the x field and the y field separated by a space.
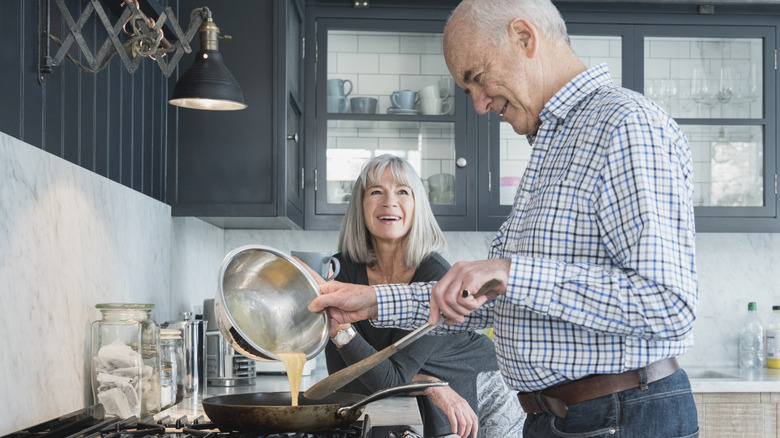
pixel 601 243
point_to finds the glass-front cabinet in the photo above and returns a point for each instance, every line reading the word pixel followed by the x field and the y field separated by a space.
pixel 713 85
pixel 715 82
pixel 383 87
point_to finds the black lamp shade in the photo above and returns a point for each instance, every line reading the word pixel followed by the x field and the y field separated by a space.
pixel 208 84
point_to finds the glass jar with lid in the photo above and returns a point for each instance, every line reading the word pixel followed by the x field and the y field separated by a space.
pixel 125 360
pixel 172 368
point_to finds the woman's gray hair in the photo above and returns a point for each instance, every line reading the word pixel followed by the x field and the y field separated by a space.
pixel 424 236
pixel 490 18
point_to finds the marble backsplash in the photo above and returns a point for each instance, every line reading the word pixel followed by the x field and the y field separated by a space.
pixel 70 239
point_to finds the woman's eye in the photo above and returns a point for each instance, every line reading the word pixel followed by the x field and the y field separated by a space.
pixel 375 192
pixel 403 192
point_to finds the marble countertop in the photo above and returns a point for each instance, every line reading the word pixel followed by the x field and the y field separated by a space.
pixel 715 379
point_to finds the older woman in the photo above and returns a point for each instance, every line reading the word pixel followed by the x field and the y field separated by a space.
pixel 389 235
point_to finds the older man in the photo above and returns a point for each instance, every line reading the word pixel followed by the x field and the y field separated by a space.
pixel 596 289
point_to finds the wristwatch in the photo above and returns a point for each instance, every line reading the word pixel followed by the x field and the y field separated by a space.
pixel 343 337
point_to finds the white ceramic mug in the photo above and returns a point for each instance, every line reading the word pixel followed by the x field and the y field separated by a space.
pixel 446 87
pixel 430 92
pixel 449 103
pixel 433 106
pixel 319 262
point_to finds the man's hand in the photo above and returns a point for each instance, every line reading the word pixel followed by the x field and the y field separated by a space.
pixel 345 303
pixel 447 296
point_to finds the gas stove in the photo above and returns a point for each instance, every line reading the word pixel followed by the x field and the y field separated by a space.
pixel 92 423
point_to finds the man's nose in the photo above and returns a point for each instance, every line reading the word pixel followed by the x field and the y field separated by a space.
pixel 481 102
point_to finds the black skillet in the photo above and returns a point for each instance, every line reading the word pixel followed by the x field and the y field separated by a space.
pixel 272 411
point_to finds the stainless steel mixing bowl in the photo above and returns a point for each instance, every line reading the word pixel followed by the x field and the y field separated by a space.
pixel 261 304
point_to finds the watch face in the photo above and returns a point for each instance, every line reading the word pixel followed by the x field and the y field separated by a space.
pixel 343 337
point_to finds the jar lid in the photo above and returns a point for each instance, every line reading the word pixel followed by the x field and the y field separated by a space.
pixel 170 334
pixel 123 306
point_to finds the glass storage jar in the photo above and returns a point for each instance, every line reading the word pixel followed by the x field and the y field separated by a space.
pixel 172 368
pixel 125 360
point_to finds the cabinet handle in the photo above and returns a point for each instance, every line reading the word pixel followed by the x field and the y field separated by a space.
pixel 461 162
pixel 293 137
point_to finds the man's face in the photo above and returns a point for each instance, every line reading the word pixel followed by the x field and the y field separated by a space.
pixel 497 78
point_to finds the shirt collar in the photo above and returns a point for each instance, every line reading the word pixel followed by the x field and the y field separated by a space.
pixel 574 92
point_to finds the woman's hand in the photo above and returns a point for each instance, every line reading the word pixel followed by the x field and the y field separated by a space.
pixel 462 418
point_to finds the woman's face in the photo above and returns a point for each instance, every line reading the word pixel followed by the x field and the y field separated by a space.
pixel 388 208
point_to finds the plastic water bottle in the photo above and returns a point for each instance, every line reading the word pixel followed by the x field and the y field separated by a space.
pixel 751 340
pixel 773 339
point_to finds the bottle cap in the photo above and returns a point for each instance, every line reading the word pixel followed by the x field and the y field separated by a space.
pixel 775 307
pixel 752 306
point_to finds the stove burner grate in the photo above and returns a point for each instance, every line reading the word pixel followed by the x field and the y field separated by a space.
pixel 90 423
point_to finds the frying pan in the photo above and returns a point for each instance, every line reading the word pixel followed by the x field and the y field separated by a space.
pixel 272 412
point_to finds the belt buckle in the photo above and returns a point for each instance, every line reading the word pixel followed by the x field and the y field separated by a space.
pixel 551 405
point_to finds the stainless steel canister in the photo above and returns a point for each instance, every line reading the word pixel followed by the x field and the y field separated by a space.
pixel 193 341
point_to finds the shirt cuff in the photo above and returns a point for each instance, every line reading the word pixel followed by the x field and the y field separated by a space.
pixel 532 282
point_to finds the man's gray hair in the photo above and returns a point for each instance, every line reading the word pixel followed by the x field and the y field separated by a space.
pixel 424 236
pixel 491 18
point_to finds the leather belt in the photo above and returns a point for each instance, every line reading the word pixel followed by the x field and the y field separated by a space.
pixel 556 399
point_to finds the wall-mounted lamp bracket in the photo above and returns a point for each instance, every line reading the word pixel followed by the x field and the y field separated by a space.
pixel 145 39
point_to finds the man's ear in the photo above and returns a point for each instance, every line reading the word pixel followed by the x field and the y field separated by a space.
pixel 525 35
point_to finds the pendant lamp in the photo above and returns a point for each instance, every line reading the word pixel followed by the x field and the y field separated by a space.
pixel 208 84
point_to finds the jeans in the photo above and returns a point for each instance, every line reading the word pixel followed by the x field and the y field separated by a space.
pixel 664 409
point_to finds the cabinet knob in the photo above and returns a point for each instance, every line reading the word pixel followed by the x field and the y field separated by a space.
pixel 293 137
pixel 461 162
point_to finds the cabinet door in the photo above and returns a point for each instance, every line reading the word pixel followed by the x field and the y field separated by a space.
pixel 712 81
pixel 383 87
pixel 222 162
pixel 291 68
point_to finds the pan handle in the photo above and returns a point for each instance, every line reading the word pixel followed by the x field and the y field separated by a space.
pixel 387 392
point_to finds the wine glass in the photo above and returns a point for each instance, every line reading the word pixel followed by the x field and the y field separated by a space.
pixel 668 93
pixel 701 90
pixel 725 86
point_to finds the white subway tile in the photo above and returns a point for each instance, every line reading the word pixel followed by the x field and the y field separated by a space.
pixel 378 44
pixel 342 43
pixel 394 63
pixel 422 44
pixel 418 82
pixel 430 167
pixel 367 143
pixel 379 132
pixel 518 149
pixel 378 84
pixel 403 144
pixel 439 148
pixel 358 63
pixel 433 65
